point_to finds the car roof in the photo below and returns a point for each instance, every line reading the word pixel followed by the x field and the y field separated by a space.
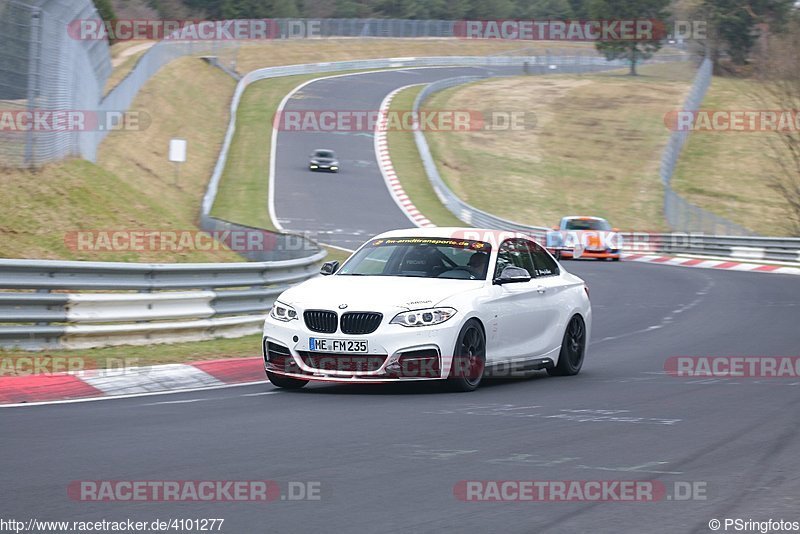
pixel 447 232
pixel 570 217
pixel 323 150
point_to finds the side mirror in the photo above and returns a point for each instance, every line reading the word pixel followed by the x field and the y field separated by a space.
pixel 512 275
pixel 329 267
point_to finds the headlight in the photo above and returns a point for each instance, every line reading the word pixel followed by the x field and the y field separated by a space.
pixel 282 312
pixel 427 317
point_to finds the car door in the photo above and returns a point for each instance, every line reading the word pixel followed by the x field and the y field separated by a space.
pixel 551 283
pixel 521 310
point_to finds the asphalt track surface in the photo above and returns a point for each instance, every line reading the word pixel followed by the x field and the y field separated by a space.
pixel 346 208
pixel 388 457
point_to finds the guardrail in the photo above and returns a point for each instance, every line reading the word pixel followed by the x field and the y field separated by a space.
pixel 529 64
pixel 777 249
pixel 465 212
pixel 163 302
pixel 682 215
pixel 770 249
pixel 182 302
pixel 526 63
pixel 532 65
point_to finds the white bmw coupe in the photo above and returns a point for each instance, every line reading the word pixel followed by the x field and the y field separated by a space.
pixel 452 304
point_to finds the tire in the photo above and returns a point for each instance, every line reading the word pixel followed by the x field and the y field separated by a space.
pixel 573 349
pixel 469 358
pixel 285 382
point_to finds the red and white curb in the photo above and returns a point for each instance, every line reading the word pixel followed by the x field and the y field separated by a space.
pixel 131 381
pixel 387 169
pixel 703 263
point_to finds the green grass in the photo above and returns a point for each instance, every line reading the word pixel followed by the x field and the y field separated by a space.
pixel 132 186
pixel 257 54
pixel 244 187
pixel 134 356
pixel 78 196
pixel 728 173
pixel 409 169
pixel 592 145
pixel 243 192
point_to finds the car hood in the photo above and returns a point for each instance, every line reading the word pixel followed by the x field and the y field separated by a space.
pixel 374 293
pixel 323 160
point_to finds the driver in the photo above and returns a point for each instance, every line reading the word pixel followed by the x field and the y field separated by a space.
pixel 477 264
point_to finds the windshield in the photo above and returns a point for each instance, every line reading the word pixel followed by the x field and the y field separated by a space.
pixel 587 224
pixel 323 154
pixel 421 257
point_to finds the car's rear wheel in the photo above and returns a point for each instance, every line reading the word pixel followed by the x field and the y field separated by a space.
pixel 469 358
pixel 285 382
pixel 573 348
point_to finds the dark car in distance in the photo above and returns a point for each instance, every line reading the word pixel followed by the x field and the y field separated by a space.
pixel 323 159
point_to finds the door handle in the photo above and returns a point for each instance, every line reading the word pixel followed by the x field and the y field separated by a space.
pixel 541 290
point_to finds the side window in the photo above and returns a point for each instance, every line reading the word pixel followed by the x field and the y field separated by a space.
pixel 514 252
pixel 523 252
pixel 503 258
pixel 545 265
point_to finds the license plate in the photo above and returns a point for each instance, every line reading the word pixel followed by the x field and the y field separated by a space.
pixel 354 346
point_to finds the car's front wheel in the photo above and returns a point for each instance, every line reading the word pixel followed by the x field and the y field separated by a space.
pixel 285 382
pixel 573 347
pixel 469 358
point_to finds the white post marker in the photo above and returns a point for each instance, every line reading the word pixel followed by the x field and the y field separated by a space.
pixel 177 154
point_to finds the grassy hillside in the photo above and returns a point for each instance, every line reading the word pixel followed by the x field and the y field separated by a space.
pixel 132 186
pixel 591 145
pixel 728 173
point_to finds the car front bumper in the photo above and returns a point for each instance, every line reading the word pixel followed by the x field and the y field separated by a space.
pixel 396 353
pixel 319 167
pixel 602 254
